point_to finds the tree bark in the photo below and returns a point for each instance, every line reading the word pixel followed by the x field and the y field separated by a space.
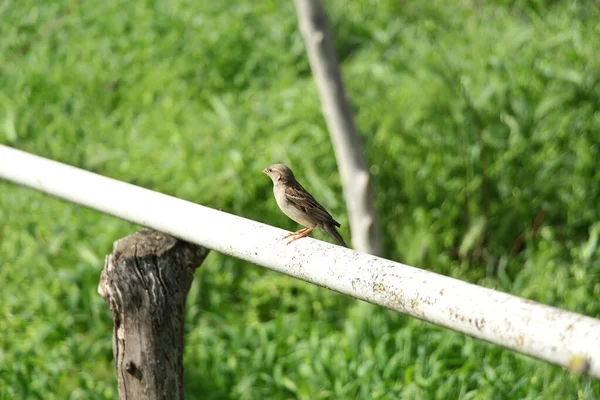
pixel 145 282
pixel 318 39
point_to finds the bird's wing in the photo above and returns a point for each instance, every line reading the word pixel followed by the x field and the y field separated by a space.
pixel 300 198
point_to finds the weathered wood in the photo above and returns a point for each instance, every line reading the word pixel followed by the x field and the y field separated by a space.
pixel 145 282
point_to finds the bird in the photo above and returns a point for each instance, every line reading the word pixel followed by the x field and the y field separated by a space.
pixel 300 206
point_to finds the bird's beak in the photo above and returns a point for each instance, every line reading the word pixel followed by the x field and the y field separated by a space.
pixel 264 171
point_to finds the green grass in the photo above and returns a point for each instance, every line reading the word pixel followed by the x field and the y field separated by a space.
pixel 478 118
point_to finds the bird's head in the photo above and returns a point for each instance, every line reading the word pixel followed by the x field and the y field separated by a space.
pixel 279 173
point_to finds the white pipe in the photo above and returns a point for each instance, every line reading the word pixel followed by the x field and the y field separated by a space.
pixel 557 336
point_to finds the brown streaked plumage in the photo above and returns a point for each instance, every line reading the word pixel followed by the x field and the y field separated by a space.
pixel 300 206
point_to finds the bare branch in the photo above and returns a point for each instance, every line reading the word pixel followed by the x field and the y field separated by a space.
pixel 366 236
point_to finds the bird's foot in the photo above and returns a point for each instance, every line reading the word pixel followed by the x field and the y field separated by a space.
pixel 300 232
pixel 298 235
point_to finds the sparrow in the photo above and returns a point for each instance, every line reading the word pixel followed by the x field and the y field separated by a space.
pixel 300 206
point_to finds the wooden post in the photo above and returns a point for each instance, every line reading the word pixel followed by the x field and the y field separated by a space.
pixel 145 282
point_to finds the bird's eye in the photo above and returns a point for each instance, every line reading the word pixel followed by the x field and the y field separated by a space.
pixel 270 170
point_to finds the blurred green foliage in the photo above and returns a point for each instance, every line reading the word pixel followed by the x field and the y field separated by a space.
pixel 481 125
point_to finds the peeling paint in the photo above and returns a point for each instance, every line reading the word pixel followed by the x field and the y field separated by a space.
pixel 480 323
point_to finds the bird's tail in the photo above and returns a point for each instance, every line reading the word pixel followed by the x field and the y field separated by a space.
pixel 335 235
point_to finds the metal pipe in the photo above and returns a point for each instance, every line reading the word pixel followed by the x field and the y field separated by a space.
pixel 557 336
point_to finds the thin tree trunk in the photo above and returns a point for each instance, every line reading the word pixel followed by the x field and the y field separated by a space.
pixel 318 39
pixel 145 282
